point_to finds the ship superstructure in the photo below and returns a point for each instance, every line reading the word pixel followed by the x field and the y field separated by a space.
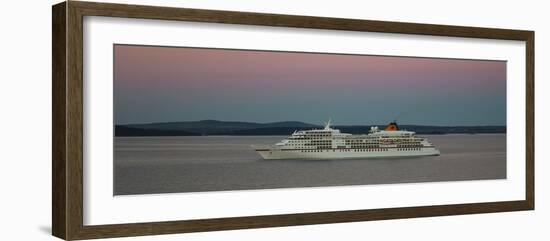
pixel 329 143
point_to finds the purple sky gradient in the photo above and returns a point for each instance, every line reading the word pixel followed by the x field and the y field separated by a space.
pixel 162 84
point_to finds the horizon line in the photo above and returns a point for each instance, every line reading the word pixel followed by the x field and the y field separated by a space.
pixel 254 122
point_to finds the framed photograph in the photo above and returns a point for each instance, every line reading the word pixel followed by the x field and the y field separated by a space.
pixel 171 120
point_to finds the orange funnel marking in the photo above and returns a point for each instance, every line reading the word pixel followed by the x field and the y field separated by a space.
pixel 392 127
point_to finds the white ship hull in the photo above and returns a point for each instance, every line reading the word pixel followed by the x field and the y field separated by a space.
pixel 276 154
pixel 330 143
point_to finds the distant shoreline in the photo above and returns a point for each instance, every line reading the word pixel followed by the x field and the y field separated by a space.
pixel 449 134
pixel 231 128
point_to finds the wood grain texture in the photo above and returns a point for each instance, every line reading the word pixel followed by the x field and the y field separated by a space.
pixel 67 182
pixel 187 226
pixel 530 120
pixel 59 196
pixel 74 120
pixel 280 20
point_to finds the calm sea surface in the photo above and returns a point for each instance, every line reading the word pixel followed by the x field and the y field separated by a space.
pixel 146 165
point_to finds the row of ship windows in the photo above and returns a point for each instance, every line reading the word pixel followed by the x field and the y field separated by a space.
pixel 357 141
pixel 310 144
pixel 295 139
pixel 310 141
pixel 409 149
pixel 348 150
pixel 329 145
pixel 370 141
pixel 315 135
pixel 365 150
pixel 362 147
pixel 358 147
pixel 307 139
pixel 323 140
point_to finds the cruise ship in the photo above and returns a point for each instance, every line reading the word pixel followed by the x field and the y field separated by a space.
pixel 329 143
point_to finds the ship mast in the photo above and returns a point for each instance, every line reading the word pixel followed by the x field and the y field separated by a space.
pixel 327 124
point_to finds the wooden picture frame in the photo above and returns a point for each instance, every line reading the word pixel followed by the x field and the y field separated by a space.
pixel 67 152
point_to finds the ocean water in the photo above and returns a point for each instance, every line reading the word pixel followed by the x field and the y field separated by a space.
pixel 147 165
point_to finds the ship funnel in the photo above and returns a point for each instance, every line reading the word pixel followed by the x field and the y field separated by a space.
pixel 392 127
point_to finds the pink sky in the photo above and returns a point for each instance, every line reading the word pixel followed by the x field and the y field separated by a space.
pixel 178 84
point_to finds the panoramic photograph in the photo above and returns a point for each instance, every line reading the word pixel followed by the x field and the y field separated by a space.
pixel 190 119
